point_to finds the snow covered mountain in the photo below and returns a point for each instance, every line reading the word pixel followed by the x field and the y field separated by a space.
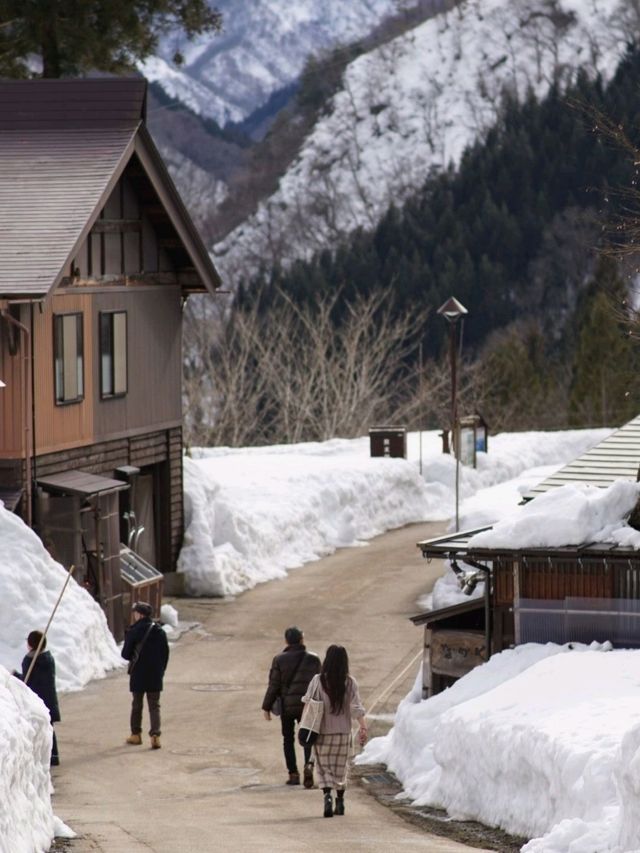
pixel 263 48
pixel 412 106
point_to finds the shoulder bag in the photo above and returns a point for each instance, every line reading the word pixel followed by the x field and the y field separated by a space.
pixel 138 649
pixel 311 719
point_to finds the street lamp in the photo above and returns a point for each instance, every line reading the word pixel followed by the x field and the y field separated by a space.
pixel 453 311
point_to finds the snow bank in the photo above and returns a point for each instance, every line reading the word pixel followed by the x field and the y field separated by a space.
pixel 543 741
pixel 331 494
pixel 234 539
pixel 27 823
pixel 31 582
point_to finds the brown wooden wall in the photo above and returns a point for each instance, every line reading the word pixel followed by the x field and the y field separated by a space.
pixel 154 366
pixel 15 398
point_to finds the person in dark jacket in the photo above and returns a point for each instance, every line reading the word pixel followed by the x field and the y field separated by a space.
pixel 42 680
pixel 290 674
pixel 147 650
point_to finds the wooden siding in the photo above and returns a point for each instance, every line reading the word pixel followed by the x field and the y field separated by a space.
pixel 176 490
pixel 154 361
pixel 15 398
pixel 61 426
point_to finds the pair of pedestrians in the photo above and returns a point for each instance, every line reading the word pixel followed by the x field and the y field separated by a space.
pixel 297 677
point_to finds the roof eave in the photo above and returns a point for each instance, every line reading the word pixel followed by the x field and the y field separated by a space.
pixel 179 215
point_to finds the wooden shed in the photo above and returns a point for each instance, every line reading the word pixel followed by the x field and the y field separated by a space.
pixel 540 595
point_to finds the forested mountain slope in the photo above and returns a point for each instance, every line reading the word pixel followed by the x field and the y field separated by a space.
pixel 410 107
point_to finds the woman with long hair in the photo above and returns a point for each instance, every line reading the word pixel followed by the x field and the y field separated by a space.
pixel 339 693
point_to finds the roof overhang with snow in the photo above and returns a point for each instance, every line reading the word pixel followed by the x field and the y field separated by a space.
pixel 456 546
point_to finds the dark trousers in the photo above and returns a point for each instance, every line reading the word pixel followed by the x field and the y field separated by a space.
pixel 55 758
pixel 153 701
pixel 288 742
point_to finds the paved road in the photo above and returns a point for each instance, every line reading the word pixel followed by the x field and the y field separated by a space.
pixel 217 783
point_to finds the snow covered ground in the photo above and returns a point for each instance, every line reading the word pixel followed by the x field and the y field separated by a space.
pixel 254 513
pixel 562 726
pixel 542 740
pixel 83 649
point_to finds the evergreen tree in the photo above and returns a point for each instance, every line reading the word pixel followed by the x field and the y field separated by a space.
pixel 76 36
pixel 605 389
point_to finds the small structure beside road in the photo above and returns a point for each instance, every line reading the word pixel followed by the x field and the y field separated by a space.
pixel 572 593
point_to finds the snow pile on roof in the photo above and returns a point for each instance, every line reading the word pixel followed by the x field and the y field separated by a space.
pixel 575 514
pixel 543 741
pixel 27 823
pixel 253 513
pixel 30 583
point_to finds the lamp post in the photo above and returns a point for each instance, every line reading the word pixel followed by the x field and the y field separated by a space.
pixel 453 311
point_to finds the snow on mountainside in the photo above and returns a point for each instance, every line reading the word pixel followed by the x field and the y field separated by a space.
pixel 263 47
pixel 412 106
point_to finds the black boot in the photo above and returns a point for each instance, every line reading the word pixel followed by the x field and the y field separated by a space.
pixel 328 804
pixel 339 803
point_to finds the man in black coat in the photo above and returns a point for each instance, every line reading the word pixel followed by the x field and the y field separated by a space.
pixel 42 680
pixel 147 650
pixel 290 674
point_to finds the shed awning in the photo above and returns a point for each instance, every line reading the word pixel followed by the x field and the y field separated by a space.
pixel 456 545
pixel 431 616
pixel 81 483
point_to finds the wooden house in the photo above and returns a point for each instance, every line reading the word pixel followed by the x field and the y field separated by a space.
pixel 98 256
pixel 580 594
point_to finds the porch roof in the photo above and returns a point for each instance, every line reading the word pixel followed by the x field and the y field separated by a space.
pixel 81 483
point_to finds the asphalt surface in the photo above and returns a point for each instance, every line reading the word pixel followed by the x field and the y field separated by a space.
pixel 217 784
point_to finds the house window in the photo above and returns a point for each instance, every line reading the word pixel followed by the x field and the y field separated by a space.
pixel 68 358
pixel 113 353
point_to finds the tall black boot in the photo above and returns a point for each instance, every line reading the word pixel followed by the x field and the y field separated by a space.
pixel 339 803
pixel 328 804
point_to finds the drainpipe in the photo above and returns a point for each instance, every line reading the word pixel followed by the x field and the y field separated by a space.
pixel 26 380
pixel 487 595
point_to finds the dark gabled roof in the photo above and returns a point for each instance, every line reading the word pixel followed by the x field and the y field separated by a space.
pixel 63 146
pixel 615 458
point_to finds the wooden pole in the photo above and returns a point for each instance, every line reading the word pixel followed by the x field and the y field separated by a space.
pixel 44 636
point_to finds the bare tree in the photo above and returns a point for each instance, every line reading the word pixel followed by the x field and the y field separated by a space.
pixel 298 374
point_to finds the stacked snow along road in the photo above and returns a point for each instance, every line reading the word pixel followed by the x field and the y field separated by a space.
pixel 542 741
pixel 332 494
pixel 411 107
pixel 27 822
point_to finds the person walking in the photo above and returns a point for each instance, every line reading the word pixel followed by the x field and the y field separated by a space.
pixel 290 673
pixel 147 650
pixel 339 693
pixel 42 680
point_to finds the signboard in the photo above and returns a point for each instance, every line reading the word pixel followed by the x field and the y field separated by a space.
pixel 456 653
pixel 468 446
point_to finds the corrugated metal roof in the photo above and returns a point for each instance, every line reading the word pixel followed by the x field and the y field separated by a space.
pixel 615 458
pixel 63 146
